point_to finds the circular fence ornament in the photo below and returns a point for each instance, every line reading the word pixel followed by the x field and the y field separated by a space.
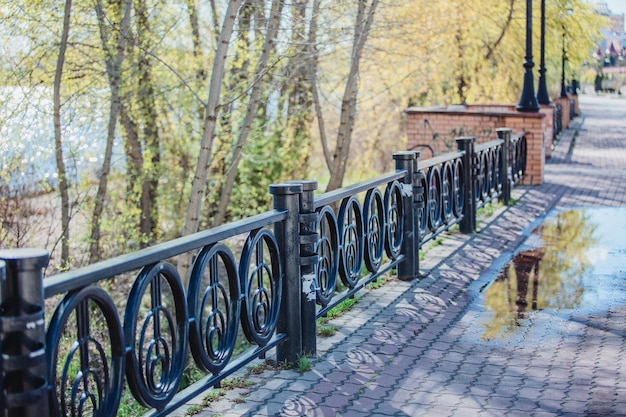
pixel 155 326
pixel 214 306
pixel 395 220
pixel 85 353
pixel 434 198
pixel 458 189
pixel 374 215
pixel 351 235
pixel 422 203
pixel 328 255
pixel 447 192
pixel 261 283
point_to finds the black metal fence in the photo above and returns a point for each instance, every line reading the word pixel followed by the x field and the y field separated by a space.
pixel 273 283
pixel 557 120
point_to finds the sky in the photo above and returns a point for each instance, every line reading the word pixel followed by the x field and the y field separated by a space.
pixel 616 6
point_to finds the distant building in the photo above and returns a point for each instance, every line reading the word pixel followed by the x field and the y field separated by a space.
pixel 617 20
pixel 611 51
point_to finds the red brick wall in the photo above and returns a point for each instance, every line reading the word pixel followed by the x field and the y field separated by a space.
pixel 435 129
pixel 534 124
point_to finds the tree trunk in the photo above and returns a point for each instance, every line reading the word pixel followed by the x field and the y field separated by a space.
pixel 134 156
pixel 363 25
pixel 199 182
pixel 312 66
pixel 507 24
pixel 151 141
pixel 113 67
pixel 297 139
pixel 251 110
pixel 58 141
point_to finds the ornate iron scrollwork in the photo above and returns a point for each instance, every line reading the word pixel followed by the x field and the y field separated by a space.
pixel 422 204
pixel 374 215
pixel 434 198
pixel 86 358
pixel 498 175
pixel 158 345
pixel 459 188
pixel 261 283
pixel 328 255
pixel 214 307
pixel 351 234
pixel 447 192
pixel 395 220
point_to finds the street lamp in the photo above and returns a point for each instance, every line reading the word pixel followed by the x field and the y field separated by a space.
pixel 563 59
pixel 528 100
pixel 542 91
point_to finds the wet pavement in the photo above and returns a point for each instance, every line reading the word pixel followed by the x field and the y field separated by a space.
pixel 507 322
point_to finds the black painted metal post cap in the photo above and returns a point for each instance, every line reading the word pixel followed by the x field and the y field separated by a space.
pixel 307 185
pixel 466 139
pixel 286 188
pixel 25 259
pixel 503 129
pixel 406 155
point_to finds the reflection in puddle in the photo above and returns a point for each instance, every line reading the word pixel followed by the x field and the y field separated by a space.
pixel 574 260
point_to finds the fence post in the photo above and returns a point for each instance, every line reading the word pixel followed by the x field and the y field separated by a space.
pixel 308 266
pixel 409 268
pixel 24 380
pixel 468 223
pixel 505 134
pixel 287 197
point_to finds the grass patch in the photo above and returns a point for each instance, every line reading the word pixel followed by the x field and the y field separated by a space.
pixel 489 209
pixel 437 242
pixel 194 409
pixel 212 396
pixel 339 310
pixel 238 382
pixel 285 365
pixel 258 368
pixel 377 283
pixel 327 330
pixel 304 364
pixel 129 407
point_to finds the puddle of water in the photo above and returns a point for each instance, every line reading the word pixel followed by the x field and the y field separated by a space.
pixel 575 260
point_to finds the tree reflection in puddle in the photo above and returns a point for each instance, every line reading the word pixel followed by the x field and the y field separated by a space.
pixel 551 274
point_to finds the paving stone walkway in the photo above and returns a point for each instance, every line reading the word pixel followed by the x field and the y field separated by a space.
pixel 415 348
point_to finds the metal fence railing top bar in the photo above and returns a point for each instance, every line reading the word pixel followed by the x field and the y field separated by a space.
pixel 341 193
pixel 67 281
pixel 487 145
pixel 438 160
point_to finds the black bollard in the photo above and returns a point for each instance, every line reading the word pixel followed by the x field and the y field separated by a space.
pixel 22 334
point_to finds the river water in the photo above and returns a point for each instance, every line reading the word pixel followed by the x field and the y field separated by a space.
pixel 27 150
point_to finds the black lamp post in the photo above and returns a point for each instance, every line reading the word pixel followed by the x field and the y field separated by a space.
pixel 563 59
pixel 528 100
pixel 542 91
